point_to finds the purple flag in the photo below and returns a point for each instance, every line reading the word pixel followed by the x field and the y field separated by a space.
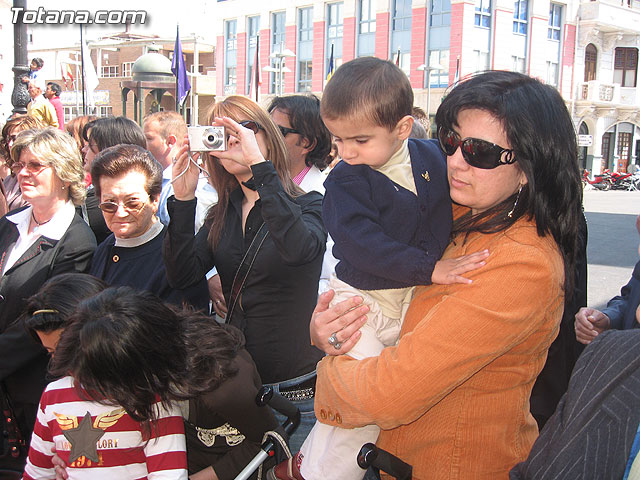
pixel 180 71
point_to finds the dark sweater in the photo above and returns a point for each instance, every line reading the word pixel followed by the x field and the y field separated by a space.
pixel 142 268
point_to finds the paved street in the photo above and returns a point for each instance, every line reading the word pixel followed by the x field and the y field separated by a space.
pixel 612 249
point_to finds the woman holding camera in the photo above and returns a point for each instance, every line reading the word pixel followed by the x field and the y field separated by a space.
pixel 265 237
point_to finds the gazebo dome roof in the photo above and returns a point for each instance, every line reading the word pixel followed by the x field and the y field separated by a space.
pixel 152 67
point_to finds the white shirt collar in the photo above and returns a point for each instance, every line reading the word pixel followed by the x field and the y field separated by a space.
pixel 53 229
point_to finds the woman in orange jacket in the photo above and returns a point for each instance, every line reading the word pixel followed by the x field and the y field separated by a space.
pixel 452 397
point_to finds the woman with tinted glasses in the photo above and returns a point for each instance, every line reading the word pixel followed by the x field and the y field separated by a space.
pixel 128 181
pixel 452 398
pixel 98 135
pixel 37 242
pixel 262 220
pixel 10 132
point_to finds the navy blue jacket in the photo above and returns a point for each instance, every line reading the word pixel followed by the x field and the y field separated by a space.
pixel 385 236
pixel 621 310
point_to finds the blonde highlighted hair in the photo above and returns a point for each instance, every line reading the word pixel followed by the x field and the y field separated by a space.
pixel 57 149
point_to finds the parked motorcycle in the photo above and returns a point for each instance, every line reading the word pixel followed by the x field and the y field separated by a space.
pixel 619 181
pixel 631 182
pixel 601 181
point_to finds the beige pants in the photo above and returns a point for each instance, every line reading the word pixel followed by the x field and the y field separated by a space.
pixel 331 452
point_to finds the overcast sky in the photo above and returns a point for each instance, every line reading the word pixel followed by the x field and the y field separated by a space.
pixel 162 18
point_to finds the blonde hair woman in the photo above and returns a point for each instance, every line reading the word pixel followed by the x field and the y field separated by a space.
pixel 37 242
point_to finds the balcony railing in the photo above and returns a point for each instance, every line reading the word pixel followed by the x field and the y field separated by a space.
pixel 617 14
pixel 595 91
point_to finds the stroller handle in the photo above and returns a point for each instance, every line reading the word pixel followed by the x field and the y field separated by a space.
pixel 267 396
pixel 372 456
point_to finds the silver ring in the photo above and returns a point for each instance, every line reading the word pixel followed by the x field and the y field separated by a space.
pixel 337 345
pixel 333 340
pixel 174 160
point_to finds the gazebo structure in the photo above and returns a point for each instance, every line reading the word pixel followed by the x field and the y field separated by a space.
pixel 151 71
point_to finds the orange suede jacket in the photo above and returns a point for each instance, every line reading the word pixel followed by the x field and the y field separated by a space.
pixel 452 398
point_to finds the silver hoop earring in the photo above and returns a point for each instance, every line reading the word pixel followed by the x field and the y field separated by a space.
pixel 510 214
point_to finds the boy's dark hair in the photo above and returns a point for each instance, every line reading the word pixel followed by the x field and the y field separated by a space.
pixel 38 61
pixel 55 88
pixel 370 88
pixel 119 160
pixel 304 116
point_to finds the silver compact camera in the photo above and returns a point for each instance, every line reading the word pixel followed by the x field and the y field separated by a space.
pixel 207 139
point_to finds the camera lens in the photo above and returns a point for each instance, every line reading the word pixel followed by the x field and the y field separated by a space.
pixel 212 138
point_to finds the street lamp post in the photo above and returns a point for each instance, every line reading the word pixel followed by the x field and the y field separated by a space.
pixel 281 69
pixel 20 96
pixel 428 69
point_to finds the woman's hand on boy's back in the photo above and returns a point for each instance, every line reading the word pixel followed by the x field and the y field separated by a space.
pixel 451 270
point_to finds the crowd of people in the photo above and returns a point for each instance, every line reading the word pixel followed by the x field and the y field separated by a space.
pixel 427 295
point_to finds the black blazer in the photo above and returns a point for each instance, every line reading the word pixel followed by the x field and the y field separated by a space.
pixel 591 433
pixel 22 361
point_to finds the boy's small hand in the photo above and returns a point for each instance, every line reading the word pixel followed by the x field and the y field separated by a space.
pixel 450 271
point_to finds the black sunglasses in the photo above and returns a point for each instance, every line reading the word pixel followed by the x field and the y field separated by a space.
pixel 286 131
pixel 252 125
pixel 477 153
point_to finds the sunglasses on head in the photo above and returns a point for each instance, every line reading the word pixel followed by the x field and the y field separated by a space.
pixel 477 153
pixel 286 131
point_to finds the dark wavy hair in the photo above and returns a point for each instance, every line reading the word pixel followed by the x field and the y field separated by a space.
pixel 110 131
pixel 540 131
pixel 304 116
pixel 128 348
pixel 50 309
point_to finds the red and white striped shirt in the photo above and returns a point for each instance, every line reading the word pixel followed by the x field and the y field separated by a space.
pixel 122 451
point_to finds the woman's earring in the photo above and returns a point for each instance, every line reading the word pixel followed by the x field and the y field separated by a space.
pixel 510 214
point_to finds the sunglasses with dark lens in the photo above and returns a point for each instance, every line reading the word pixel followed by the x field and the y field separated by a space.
pixel 252 125
pixel 286 131
pixel 477 153
pixel 132 206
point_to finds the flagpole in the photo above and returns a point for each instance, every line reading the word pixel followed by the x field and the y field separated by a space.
pixel 256 67
pixel 84 104
pixel 174 53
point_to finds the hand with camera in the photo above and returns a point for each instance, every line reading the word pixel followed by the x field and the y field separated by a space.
pixel 185 173
pixel 242 144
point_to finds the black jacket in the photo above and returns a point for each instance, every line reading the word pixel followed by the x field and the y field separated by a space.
pixel 22 361
pixel 281 290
